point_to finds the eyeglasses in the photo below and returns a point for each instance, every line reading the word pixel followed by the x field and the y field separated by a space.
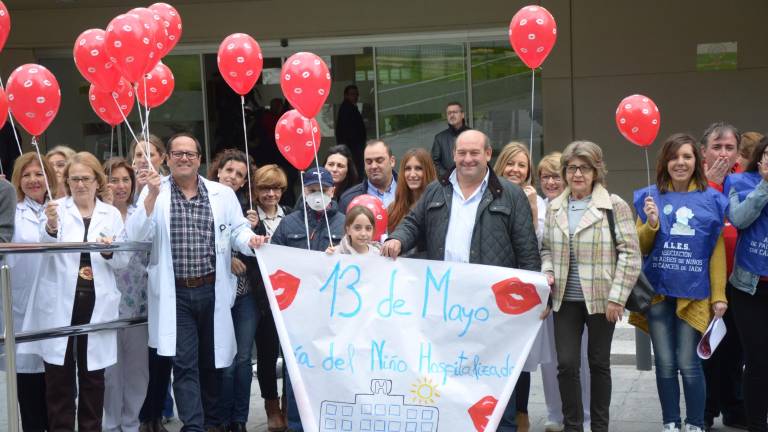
pixel 453 112
pixel 585 169
pixel 188 154
pixel 83 180
pixel 60 164
pixel 554 178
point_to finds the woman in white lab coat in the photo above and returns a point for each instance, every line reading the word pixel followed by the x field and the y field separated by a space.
pixel 73 289
pixel 31 192
pixel 125 382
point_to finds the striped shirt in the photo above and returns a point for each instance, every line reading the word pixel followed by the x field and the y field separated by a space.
pixel 192 236
pixel 576 209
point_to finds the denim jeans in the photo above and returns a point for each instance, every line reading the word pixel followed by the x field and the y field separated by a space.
pixel 674 347
pixel 195 377
pixel 236 379
pixel 294 419
pixel 508 423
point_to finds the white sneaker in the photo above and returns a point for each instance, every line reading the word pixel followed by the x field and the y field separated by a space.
pixel 552 426
pixel 670 427
pixel 692 428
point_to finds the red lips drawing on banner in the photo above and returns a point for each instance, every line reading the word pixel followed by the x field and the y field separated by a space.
pixel 481 410
pixel 285 286
pixel 514 296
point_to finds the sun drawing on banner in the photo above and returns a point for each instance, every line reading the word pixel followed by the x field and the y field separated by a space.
pixel 424 391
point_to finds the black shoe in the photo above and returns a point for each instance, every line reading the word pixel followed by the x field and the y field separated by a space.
pixel 237 427
pixel 735 423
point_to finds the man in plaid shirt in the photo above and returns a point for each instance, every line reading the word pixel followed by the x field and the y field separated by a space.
pixel 194 225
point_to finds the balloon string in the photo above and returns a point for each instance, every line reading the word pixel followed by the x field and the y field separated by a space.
pixel 146 124
pixel 648 170
pixel 111 147
pixel 533 85
pixel 304 197
pixel 13 126
pixel 40 159
pixel 247 158
pixel 317 165
pixel 138 106
pixel 146 108
pixel 130 129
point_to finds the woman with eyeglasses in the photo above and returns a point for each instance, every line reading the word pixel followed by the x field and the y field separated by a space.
pixel 591 278
pixel 126 381
pixel 31 191
pixel 76 289
pixel 552 185
pixel 269 182
pixel 680 223
pixel 748 211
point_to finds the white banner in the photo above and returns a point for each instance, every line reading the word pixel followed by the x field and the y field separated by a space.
pixel 375 344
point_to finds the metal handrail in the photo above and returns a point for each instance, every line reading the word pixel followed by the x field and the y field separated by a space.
pixel 10 338
pixel 76 330
pixel 72 247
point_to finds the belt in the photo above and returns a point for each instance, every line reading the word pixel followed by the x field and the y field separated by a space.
pixel 196 282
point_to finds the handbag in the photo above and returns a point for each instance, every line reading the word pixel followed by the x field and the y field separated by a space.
pixel 642 293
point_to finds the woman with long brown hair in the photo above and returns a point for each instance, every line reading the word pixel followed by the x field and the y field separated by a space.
pixel 31 193
pixel 417 170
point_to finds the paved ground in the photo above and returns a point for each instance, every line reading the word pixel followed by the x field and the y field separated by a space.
pixel 634 405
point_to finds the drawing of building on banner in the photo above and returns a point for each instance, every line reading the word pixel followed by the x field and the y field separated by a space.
pixel 378 411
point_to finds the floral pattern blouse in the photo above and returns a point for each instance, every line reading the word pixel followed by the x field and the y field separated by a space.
pixel 132 283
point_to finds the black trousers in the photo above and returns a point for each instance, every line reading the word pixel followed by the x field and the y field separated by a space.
pixel 157 388
pixel 32 406
pixel 523 392
pixel 723 372
pixel 60 380
pixel 569 325
pixel 750 313
pixel 267 351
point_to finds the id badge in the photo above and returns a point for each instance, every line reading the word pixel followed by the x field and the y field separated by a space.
pixel 224 236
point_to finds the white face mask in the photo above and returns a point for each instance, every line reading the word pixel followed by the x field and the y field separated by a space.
pixel 317 201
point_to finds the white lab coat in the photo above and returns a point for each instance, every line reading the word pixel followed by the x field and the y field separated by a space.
pixel 24 268
pixel 52 297
pixel 232 232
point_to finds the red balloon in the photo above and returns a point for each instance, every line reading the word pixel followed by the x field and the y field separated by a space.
pixel 379 213
pixel 306 82
pixel 34 97
pixel 638 119
pixel 532 33
pixel 108 104
pixel 130 45
pixel 240 62
pixel 3 107
pixel 92 60
pixel 5 24
pixel 171 22
pixel 295 139
pixel 159 86
pixel 157 34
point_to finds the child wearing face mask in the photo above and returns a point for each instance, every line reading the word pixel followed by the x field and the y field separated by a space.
pixel 359 229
